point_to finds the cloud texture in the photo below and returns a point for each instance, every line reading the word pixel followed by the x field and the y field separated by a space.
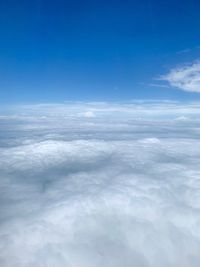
pixel 186 78
pixel 120 188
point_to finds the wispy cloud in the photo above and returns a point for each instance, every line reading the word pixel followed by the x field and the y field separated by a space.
pixel 187 50
pixel 186 78
pixel 158 85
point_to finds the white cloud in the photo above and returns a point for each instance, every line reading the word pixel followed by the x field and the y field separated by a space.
pixel 88 114
pixel 186 78
pixel 118 192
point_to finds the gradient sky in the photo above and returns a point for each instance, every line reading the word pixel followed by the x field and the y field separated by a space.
pixel 95 50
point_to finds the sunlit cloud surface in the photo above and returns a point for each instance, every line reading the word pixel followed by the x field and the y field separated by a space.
pixel 186 78
pixel 100 184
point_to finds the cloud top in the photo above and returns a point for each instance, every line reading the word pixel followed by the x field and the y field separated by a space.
pixel 118 189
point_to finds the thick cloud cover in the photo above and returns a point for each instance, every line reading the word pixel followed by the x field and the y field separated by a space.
pixel 99 184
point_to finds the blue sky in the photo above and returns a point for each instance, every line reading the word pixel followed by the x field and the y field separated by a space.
pixel 99 50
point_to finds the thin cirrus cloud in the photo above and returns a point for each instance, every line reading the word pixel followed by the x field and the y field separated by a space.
pixel 186 78
pixel 120 188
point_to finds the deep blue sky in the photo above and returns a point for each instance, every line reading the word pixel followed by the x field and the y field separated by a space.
pixel 94 50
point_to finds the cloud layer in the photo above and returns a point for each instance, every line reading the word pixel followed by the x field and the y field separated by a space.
pixel 186 78
pixel 119 188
